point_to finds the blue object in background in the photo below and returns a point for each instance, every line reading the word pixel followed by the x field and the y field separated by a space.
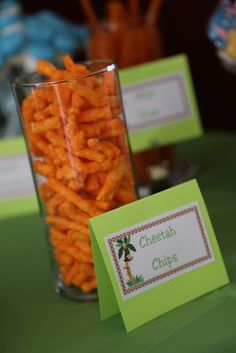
pixel 24 40
pixel 12 30
pixel 221 22
pixel 48 33
pixel 44 35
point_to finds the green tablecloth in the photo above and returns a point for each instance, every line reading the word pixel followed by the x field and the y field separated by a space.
pixel 33 319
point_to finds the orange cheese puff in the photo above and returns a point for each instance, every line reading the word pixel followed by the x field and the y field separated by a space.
pixel 63 94
pixel 118 161
pixel 100 100
pixel 79 279
pixel 125 196
pixel 128 180
pixel 111 124
pixel 56 139
pixel 89 154
pixel 77 101
pixel 45 169
pixel 58 153
pixel 39 104
pixel 44 93
pixel 92 97
pixel 114 101
pixel 90 81
pixel 70 250
pixel 110 150
pixel 116 113
pixel 94 129
pixel 74 185
pixel 92 183
pixel 72 212
pixel 90 130
pixel 69 63
pixel 27 109
pixel 106 165
pixel 39 115
pixel 34 150
pixel 113 180
pixel 85 167
pixel 89 285
pixel 122 143
pixel 66 172
pixel 108 134
pixel 63 259
pixel 93 143
pixel 88 94
pixel 65 223
pixel 72 119
pixel 106 147
pixel 94 114
pixel 85 258
pixel 77 69
pixel 75 253
pixel 57 162
pixel 105 205
pixel 109 83
pixel 64 269
pixel 77 236
pixel 74 270
pixel 84 246
pixel 58 235
pixel 48 159
pixel 79 180
pixel 72 197
pixel 77 267
pixel 81 69
pixel 88 269
pixel 46 124
pixel 102 177
pixel 53 204
pixel 113 132
pixel 74 112
pixel 78 141
pixel 54 109
pixel 47 69
pixel 45 192
pixel 40 142
pixel 72 127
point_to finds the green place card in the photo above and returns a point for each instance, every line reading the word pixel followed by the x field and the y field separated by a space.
pixel 160 104
pixel 17 193
pixel 155 254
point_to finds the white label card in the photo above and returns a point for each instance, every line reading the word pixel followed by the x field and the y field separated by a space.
pixel 15 177
pixel 159 249
pixel 154 102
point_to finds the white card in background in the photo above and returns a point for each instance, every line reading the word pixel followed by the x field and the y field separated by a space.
pixel 155 102
pixel 15 177
pixel 159 103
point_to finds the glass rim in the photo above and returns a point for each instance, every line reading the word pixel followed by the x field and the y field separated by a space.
pixel 21 81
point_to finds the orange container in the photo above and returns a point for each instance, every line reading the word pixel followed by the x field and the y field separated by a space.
pixel 129 39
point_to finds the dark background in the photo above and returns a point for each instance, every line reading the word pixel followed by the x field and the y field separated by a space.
pixel 183 25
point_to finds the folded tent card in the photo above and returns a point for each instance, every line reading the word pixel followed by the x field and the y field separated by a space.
pixel 161 249
pixel 160 103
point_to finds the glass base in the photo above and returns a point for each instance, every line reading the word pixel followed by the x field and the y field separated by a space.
pixel 75 293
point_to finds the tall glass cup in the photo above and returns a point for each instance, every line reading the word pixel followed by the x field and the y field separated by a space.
pixel 79 154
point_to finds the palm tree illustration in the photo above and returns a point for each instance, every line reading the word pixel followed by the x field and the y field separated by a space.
pixel 125 247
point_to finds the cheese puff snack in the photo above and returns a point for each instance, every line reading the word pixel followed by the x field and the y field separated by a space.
pixel 77 140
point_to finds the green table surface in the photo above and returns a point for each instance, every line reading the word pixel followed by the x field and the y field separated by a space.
pixel 34 319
